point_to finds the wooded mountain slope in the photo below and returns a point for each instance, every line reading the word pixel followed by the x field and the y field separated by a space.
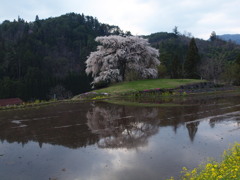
pixel 46 57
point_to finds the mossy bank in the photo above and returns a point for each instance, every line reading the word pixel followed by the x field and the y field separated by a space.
pixel 125 88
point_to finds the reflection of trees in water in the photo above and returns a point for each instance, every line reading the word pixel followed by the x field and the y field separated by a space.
pixel 232 116
pixel 121 126
pixel 76 125
pixel 61 124
pixel 192 129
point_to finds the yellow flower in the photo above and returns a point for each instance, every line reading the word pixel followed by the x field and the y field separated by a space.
pixel 209 165
pixel 194 171
pixel 229 168
pixel 214 174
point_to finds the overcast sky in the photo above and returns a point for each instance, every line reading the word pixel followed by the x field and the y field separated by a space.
pixel 141 17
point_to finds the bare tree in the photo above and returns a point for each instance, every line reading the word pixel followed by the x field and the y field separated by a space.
pixel 118 55
pixel 212 69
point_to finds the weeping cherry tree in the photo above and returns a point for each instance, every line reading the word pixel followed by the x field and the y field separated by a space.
pixel 118 55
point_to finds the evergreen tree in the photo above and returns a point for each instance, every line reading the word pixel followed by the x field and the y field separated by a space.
pixel 38 56
pixel 192 60
pixel 176 67
pixel 236 70
pixel 213 36
pixel 237 61
pixel 175 31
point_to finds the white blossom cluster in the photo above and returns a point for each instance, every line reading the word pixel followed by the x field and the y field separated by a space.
pixel 117 55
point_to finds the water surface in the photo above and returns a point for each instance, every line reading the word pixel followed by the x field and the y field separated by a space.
pixel 96 140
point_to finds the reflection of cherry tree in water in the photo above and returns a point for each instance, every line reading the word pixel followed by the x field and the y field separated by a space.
pixel 77 125
pixel 121 126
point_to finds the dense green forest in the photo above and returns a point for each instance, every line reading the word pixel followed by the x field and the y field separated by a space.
pixel 47 57
pixel 217 60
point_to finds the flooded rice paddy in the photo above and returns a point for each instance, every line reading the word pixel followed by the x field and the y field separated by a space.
pixel 97 140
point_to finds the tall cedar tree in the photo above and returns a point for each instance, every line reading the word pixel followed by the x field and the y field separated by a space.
pixel 236 70
pixel 238 59
pixel 176 67
pixel 192 60
pixel 37 58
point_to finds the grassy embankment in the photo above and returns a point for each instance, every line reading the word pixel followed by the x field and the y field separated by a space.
pixel 125 88
pixel 141 85
pixel 149 88
pixel 24 105
pixel 227 169
pixel 115 90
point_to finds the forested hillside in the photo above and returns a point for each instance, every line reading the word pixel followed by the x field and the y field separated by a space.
pixel 46 57
pixel 217 57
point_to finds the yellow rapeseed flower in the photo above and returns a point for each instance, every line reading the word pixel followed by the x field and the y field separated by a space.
pixel 209 165
pixel 227 169
pixel 194 171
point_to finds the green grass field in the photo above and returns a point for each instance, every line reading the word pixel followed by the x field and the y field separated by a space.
pixel 141 85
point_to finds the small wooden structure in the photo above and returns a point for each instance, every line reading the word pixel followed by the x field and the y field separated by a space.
pixel 11 101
